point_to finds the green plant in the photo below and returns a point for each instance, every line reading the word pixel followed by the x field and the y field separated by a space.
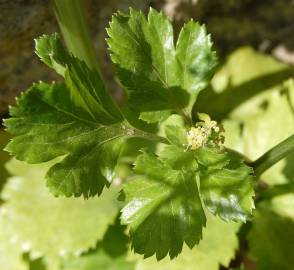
pixel 173 189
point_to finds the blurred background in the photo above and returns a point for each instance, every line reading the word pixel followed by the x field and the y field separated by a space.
pixel 266 26
pixel 252 94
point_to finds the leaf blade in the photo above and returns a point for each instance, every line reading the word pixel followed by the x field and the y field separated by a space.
pixel 163 209
pixel 155 63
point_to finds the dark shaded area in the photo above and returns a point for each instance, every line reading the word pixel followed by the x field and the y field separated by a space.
pixel 115 241
pixel 271 240
pixel 261 24
pixel 20 22
pixel 4 157
pixel 23 20
pixel 289 169
pixel 34 264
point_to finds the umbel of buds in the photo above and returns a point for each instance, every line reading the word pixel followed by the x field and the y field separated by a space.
pixel 205 132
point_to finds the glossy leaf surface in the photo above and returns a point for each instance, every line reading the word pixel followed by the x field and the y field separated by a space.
pixel 163 208
pixel 152 68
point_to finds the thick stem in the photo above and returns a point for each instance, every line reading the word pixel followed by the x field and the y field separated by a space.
pixel 71 19
pixel 274 155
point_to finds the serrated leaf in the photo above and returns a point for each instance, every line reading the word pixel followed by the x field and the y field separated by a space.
pixel 77 119
pixel 213 250
pixel 49 226
pixel 196 60
pixel 163 209
pixel 51 52
pixel 86 86
pixel 227 190
pixel 150 67
pixel 47 125
pixel 226 183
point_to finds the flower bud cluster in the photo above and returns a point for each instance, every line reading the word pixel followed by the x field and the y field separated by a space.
pixel 205 132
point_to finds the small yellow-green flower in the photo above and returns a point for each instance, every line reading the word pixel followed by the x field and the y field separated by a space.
pixel 205 132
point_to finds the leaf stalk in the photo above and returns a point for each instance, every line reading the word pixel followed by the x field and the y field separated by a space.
pixel 274 155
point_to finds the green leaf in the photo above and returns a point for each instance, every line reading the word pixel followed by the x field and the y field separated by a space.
pixel 155 116
pixel 177 158
pixel 271 239
pixel 47 124
pixel 163 208
pixel 195 59
pixel 213 250
pixel 151 68
pixel 49 226
pixel 226 186
pixel 86 86
pixel 51 52
pixel 176 135
pixel 77 119
pixel 212 158
pixel 226 183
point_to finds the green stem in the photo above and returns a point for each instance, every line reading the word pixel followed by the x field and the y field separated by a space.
pixel 149 136
pixel 274 155
pixel 138 133
pixel 71 19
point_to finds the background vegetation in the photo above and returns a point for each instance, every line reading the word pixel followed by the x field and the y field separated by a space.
pixel 252 94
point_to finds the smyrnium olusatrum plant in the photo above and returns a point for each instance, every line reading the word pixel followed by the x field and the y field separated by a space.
pixel 171 189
